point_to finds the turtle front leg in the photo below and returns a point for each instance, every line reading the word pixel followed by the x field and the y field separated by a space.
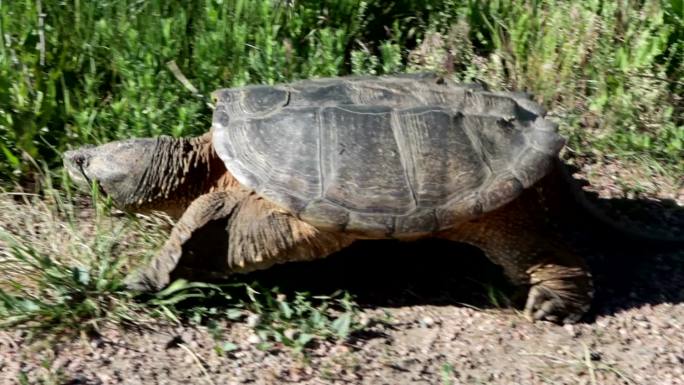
pixel 199 234
pixel 263 234
pixel 517 238
pixel 233 232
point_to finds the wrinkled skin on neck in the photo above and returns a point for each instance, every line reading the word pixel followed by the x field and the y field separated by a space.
pixel 151 174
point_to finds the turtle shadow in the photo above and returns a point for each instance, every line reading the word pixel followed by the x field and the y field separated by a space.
pixel 627 272
pixel 388 273
pixel 631 272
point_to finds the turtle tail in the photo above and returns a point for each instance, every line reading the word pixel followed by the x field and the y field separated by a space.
pixel 615 222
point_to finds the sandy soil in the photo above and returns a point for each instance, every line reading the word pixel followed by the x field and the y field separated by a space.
pixel 441 325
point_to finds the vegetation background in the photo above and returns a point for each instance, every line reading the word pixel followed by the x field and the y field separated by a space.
pixel 611 73
pixel 79 71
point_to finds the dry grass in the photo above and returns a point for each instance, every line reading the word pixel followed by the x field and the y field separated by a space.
pixel 71 233
pixel 63 259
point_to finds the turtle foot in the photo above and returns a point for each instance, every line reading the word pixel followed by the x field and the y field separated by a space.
pixel 141 282
pixel 559 294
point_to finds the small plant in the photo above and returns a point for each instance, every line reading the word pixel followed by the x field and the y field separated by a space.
pixel 447 374
pixel 62 274
pixel 297 322
pixel 46 376
pixel 274 320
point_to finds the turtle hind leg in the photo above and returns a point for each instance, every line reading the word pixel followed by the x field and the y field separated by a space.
pixel 518 238
pixel 236 231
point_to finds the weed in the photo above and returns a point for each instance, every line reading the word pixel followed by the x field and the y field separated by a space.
pixel 46 376
pixel 101 71
pixel 612 81
pixel 76 72
pixel 297 322
pixel 60 273
pixel 275 320
pixel 447 373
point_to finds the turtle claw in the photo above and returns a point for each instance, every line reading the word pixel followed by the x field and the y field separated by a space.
pixel 545 304
pixel 141 282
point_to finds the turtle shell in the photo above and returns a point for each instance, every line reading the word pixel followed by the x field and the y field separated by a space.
pixel 391 156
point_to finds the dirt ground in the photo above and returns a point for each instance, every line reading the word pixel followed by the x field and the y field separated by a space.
pixel 440 324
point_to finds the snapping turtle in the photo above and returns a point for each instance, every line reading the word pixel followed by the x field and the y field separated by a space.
pixel 298 171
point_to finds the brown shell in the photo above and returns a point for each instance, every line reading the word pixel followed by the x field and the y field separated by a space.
pixel 391 156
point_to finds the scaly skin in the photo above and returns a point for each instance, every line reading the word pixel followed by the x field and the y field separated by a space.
pixel 143 175
pixel 234 231
pixel 520 238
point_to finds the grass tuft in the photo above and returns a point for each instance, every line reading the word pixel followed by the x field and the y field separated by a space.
pixel 63 266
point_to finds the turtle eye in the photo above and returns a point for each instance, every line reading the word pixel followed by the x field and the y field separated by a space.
pixel 79 160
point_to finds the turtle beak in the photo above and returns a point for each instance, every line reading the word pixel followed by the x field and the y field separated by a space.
pixel 76 162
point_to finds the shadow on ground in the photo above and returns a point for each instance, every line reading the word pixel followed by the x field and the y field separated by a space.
pixel 628 272
pixel 632 272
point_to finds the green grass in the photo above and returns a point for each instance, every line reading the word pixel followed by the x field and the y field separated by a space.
pixel 64 266
pixel 74 71
pixel 610 72
pixel 90 71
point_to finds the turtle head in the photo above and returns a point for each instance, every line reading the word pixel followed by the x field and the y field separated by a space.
pixel 118 168
pixel 150 174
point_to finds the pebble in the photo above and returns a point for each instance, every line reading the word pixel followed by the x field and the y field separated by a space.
pixel 572 330
pixel 253 320
pixel 427 321
pixel 253 339
pixel 290 334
